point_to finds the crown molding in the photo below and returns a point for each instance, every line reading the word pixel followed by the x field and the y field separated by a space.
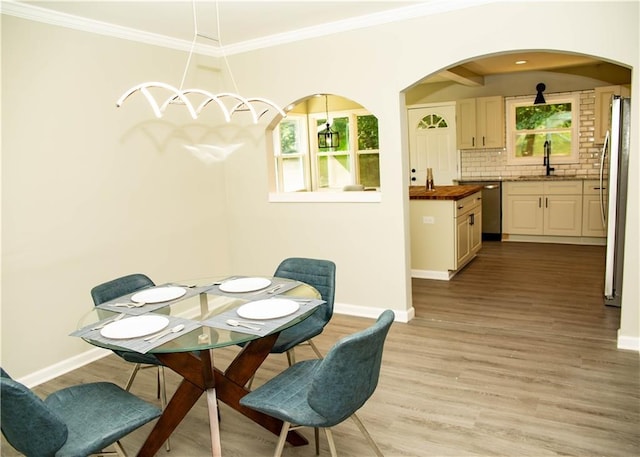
pixel 47 16
pixel 428 8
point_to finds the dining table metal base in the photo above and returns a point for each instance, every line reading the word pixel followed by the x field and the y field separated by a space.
pixel 201 376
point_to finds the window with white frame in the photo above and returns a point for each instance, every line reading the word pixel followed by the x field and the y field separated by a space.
pixel 530 127
pixel 300 165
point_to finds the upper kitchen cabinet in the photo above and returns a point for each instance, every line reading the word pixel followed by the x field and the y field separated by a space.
pixel 480 123
pixel 603 109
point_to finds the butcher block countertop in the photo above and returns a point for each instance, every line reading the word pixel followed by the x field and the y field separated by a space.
pixel 442 192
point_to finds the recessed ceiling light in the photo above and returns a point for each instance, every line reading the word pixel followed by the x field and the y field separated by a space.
pixel 520 62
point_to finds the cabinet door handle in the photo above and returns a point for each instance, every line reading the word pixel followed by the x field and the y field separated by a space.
pixel 472 219
pixel 539 202
pixel 546 202
pixel 461 206
pixel 473 141
pixel 483 141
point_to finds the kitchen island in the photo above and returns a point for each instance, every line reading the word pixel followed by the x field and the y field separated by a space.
pixel 446 229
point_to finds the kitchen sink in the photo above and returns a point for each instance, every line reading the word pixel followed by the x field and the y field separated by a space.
pixel 543 177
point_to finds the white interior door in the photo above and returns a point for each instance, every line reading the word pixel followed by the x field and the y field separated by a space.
pixel 432 144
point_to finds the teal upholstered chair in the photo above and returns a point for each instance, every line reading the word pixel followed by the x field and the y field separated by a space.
pixel 73 422
pixel 323 393
pixel 320 274
pixel 117 288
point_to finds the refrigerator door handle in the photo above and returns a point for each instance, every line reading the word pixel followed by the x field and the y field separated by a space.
pixel 603 211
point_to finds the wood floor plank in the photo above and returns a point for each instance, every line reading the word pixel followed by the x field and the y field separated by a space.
pixel 516 356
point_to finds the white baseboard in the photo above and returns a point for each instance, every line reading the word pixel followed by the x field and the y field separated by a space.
pixel 433 274
pixel 65 366
pixel 583 240
pixel 372 313
pixel 628 342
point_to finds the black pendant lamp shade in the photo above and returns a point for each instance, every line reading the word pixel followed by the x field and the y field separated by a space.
pixel 328 138
pixel 540 98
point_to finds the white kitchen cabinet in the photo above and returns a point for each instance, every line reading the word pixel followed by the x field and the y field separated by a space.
pixel 592 221
pixel 445 235
pixel 603 109
pixel 480 123
pixel 542 208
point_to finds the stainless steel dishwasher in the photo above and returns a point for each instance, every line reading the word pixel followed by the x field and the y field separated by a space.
pixel 491 208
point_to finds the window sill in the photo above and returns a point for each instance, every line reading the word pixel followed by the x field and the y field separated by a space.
pixel 325 197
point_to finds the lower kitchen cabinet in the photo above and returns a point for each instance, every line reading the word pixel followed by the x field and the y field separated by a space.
pixel 542 208
pixel 445 235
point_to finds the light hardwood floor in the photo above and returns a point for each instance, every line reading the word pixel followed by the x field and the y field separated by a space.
pixel 516 356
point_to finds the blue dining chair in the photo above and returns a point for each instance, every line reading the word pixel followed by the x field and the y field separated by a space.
pixel 72 422
pixel 320 274
pixel 323 393
pixel 117 288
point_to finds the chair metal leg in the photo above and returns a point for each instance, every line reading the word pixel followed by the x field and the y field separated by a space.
pixel 332 445
pixel 282 439
pixel 364 431
pixel 316 435
pixel 132 376
pixel 315 349
pixel 291 357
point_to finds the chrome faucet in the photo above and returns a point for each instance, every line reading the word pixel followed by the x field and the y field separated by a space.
pixel 547 157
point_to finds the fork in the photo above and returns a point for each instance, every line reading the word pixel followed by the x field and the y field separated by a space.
pixel 117 318
pixel 130 305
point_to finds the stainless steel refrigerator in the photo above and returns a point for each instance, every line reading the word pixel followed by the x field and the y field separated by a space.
pixel 614 172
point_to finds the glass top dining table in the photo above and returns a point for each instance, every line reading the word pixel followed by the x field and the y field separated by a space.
pixel 204 295
pixel 204 307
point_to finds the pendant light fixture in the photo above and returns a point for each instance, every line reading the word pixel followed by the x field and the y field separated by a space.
pixel 540 97
pixel 328 138
pixel 200 98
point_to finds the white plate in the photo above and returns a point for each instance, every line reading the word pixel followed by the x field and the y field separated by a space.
pixel 158 294
pixel 269 308
pixel 134 327
pixel 245 284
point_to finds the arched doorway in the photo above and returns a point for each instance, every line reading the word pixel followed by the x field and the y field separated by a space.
pixel 516 74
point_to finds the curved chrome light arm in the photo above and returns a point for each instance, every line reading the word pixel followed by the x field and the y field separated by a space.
pixel 179 95
pixel 158 109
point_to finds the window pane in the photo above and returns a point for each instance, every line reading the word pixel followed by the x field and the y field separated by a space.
pixel 367 132
pixel 333 171
pixel 369 169
pixel 289 137
pixel 532 144
pixel 536 117
pixel 293 174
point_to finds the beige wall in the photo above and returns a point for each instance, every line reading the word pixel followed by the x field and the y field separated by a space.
pixel 90 192
pixel 375 65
